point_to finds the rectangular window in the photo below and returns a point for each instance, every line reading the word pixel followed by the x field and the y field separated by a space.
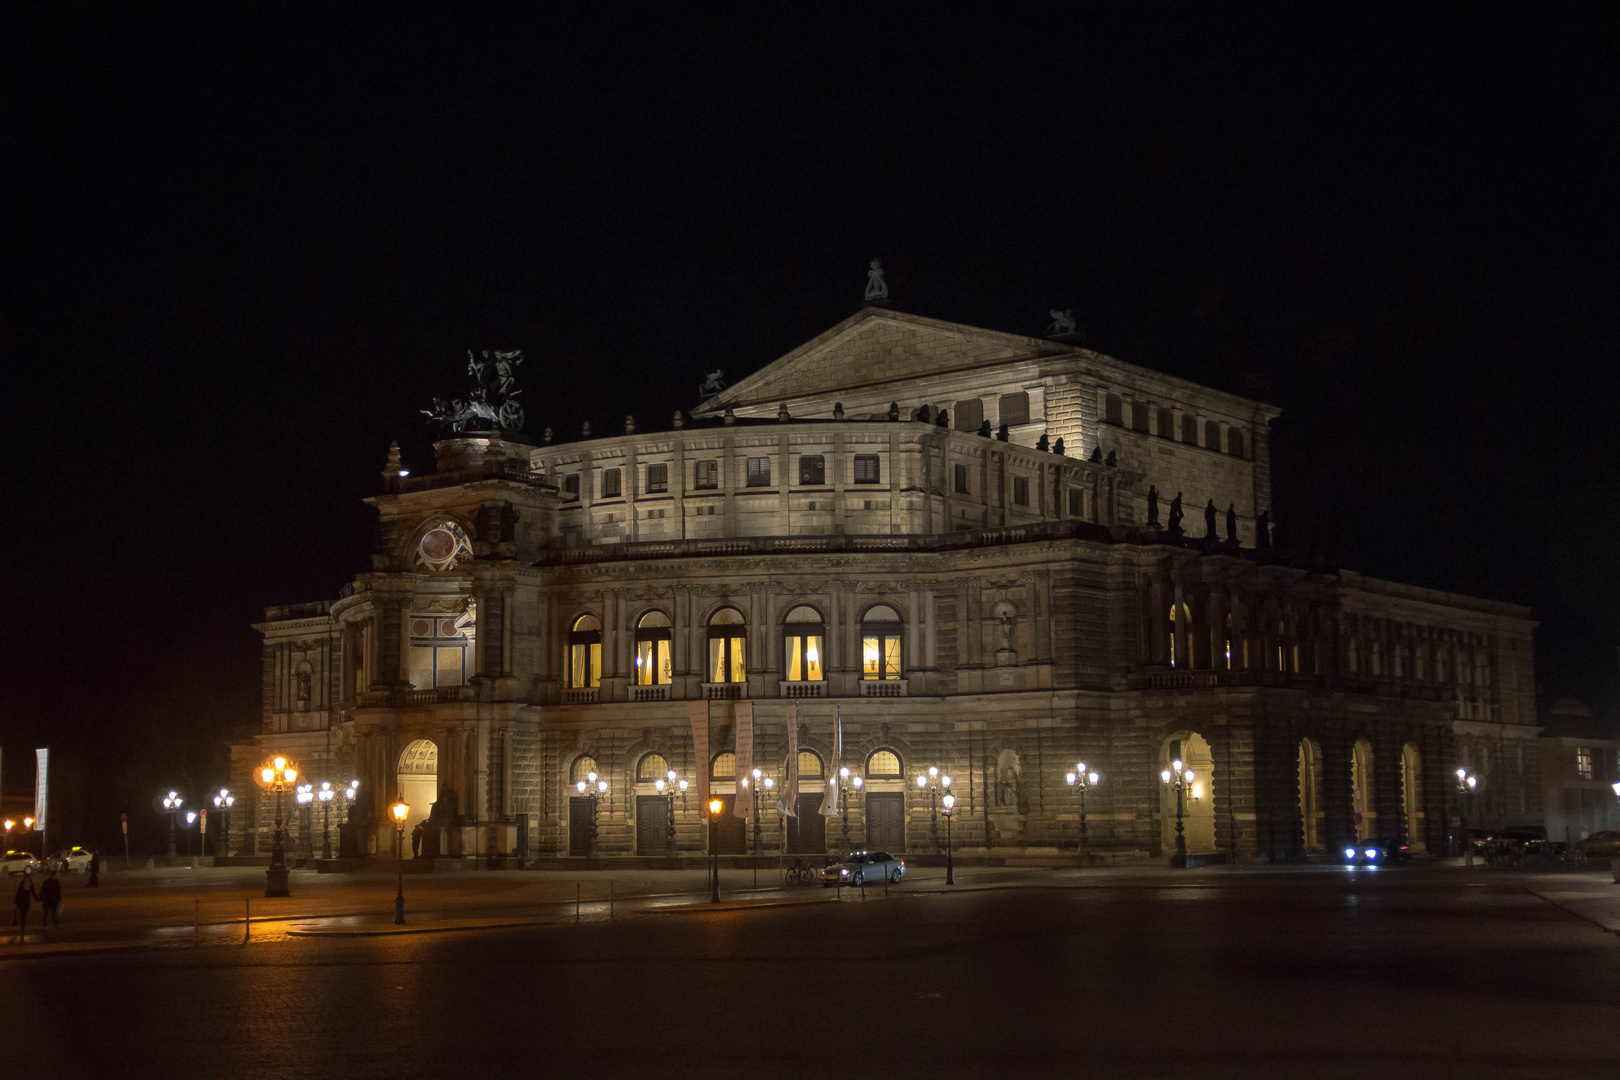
pixel 1139 416
pixel 1021 490
pixel 1212 435
pixel 657 478
pixel 610 483
pixel 1234 442
pixel 1583 762
pixel 585 664
pixel 705 475
pixel 571 487
pixel 812 470
pixel 1076 504
pixel 1114 410
pixel 1013 409
pixel 1189 429
pixel 1167 424
pixel 968 414
pixel 759 472
pixel 866 469
pixel 960 475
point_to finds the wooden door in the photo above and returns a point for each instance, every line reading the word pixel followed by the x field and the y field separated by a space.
pixel 885 821
pixel 652 820
pixel 807 833
pixel 731 833
pixel 579 825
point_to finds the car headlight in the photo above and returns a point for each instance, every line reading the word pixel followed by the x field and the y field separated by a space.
pixel 845 873
pixel 1372 853
pixel 1349 852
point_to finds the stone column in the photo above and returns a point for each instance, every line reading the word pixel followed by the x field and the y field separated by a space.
pixel 1387 803
pixel 1338 811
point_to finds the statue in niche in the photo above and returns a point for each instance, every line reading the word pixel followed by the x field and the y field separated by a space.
pixel 1176 515
pixel 1210 532
pixel 1062 322
pixel 494 377
pixel 712 384
pixel 303 690
pixel 1231 523
pixel 1005 615
pixel 1262 531
pixel 1009 778
pixel 877 289
pixel 1153 507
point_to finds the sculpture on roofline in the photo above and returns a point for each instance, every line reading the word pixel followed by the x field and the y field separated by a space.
pixel 712 384
pixel 494 377
pixel 1062 322
pixel 877 289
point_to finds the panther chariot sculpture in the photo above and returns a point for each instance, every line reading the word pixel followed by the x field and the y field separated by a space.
pixel 492 394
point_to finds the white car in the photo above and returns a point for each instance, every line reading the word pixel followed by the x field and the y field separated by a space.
pixel 865 868
pixel 76 858
pixel 19 862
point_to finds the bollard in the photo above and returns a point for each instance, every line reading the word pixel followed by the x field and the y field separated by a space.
pixel 247 918
pixel 610 899
pixel 576 901
pixel 863 885
pixel 196 922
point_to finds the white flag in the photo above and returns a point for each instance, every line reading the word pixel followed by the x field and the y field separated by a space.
pixel 743 804
pixel 789 802
pixel 699 712
pixel 829 801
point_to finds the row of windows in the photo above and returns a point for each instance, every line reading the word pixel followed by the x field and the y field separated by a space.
pixel 804 646
pixel 706 475
pixel 1142 414
pixel 653 766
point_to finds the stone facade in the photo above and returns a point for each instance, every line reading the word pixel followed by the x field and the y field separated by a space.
pixel 831 549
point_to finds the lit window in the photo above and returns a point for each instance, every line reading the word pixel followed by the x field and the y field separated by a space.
pixel 866 469
pixel 882 763
pixel 759 472
pixel 584 765
pixel 652 649
pixel 1583 762
pixel 652 767
pixel 727 647
pixel 657 479
pixel 706 475
pixel 724 767
pixel 809 765
pixel 438 652
pixel 880 643
pixel 812 470
pixel 804 635
pixel 585 652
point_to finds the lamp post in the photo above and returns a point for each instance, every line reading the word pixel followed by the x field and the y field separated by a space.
pixel 28 844
pixel 934 783
pixel 325 795
pixel 592 789
pixel 762 783
pixel 305 797
pixel 770 786
pixel 1467 783
pixel 1082 781
pixel 667 788
pixel 191 819
pixel 171 805
pixel 400 810
pixel 1179 778
pixel 949 802
pixel 223 803
pixel 276 775
pixel 9 824
pixel 715 806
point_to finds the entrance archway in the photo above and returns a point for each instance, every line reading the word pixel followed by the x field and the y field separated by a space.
pixel 1361 790
pixel 1198 811
pixel 1412 795
pixel 419 787
pixel 1310 794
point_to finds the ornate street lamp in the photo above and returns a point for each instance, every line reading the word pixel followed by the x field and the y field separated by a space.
pixel 399 811
pixel 9 824
pixel 325 795
pixel 1467 784
pixel 276 775
pixel 223 803
pixel 667 788
pixel 191 819
pixel 171 806
pixel 1082 781
pixel 949 802
pixel 1180 779
pixel 593 789
pixel 845 781
pixel 715 806
pixel 934 783
pixel 762 784
pixel 305 797
pixel 28 844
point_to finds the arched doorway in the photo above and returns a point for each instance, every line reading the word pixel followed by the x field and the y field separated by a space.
pixel 1361 790
pixel 1310 794
pixel 1198 810
pixel 419 787
pixel 1412 795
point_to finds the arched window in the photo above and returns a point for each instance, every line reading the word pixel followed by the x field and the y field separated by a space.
pixel 723 767
pixel 809 765
pixel 804 635
pixel 883 764
pixel 880 643
pixel 652 649
pixel 1180 627
pixel 652 767
pixel 585 652
pixel 727 647
pixel 584 765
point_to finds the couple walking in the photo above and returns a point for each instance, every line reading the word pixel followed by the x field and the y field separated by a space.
pixel 49 894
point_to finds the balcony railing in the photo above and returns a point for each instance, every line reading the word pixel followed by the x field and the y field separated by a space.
pixel 658 692
pixel 580 695
pixel 396 699
pixel 795 689
pixel 725 691
pixel 883 687
pixel 1211 678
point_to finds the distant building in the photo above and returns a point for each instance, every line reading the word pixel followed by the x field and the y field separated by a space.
pixel 843 536
pixel 1580 763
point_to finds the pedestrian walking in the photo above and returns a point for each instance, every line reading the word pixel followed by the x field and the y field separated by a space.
pixel 95 870
pixel 21 902
pixel 50 898
pixel 416 839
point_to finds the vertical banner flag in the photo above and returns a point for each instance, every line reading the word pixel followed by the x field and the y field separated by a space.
pixel 743 805
pixel 788 803
pixel 41 784
pixel 699 712
pixel 829 801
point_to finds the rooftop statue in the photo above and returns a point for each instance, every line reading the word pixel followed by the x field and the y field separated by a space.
pixel 876 287
pixel 494 388
pixel 712 384
pixel 1062 322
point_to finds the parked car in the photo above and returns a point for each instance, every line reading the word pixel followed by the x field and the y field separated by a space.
pixel 1521 839
pixel 74 858
pixel 1378 851
pixel 1599 845
pixel 19 862
pixel 865 868
pixel 1481 840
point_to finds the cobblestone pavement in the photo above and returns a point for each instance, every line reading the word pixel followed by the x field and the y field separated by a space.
pixel 1320 972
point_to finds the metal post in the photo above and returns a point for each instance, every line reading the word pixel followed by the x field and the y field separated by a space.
pixel 247 918
pixel 843 810
pixel 950 869
pixel 669 824
pixel 933 816
pixel 275 876
pixel 172 815
pixel 1082 826
pixel 326 830
pixel 1181 839
pixel 714 860
pixel 399 897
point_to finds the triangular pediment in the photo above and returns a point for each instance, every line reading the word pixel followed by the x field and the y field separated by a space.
pixel 876 346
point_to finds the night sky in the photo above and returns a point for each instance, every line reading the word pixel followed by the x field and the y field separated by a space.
pixel 242 248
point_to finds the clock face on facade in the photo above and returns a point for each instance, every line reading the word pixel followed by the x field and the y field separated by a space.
pixel 443 547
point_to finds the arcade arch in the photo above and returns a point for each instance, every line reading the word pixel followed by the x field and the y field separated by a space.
pixel 1198 811
pixel 418 782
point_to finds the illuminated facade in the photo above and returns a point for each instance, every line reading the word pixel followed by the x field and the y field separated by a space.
pixel 940 534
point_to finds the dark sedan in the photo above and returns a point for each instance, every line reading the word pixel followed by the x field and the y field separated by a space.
pixel 1378 851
